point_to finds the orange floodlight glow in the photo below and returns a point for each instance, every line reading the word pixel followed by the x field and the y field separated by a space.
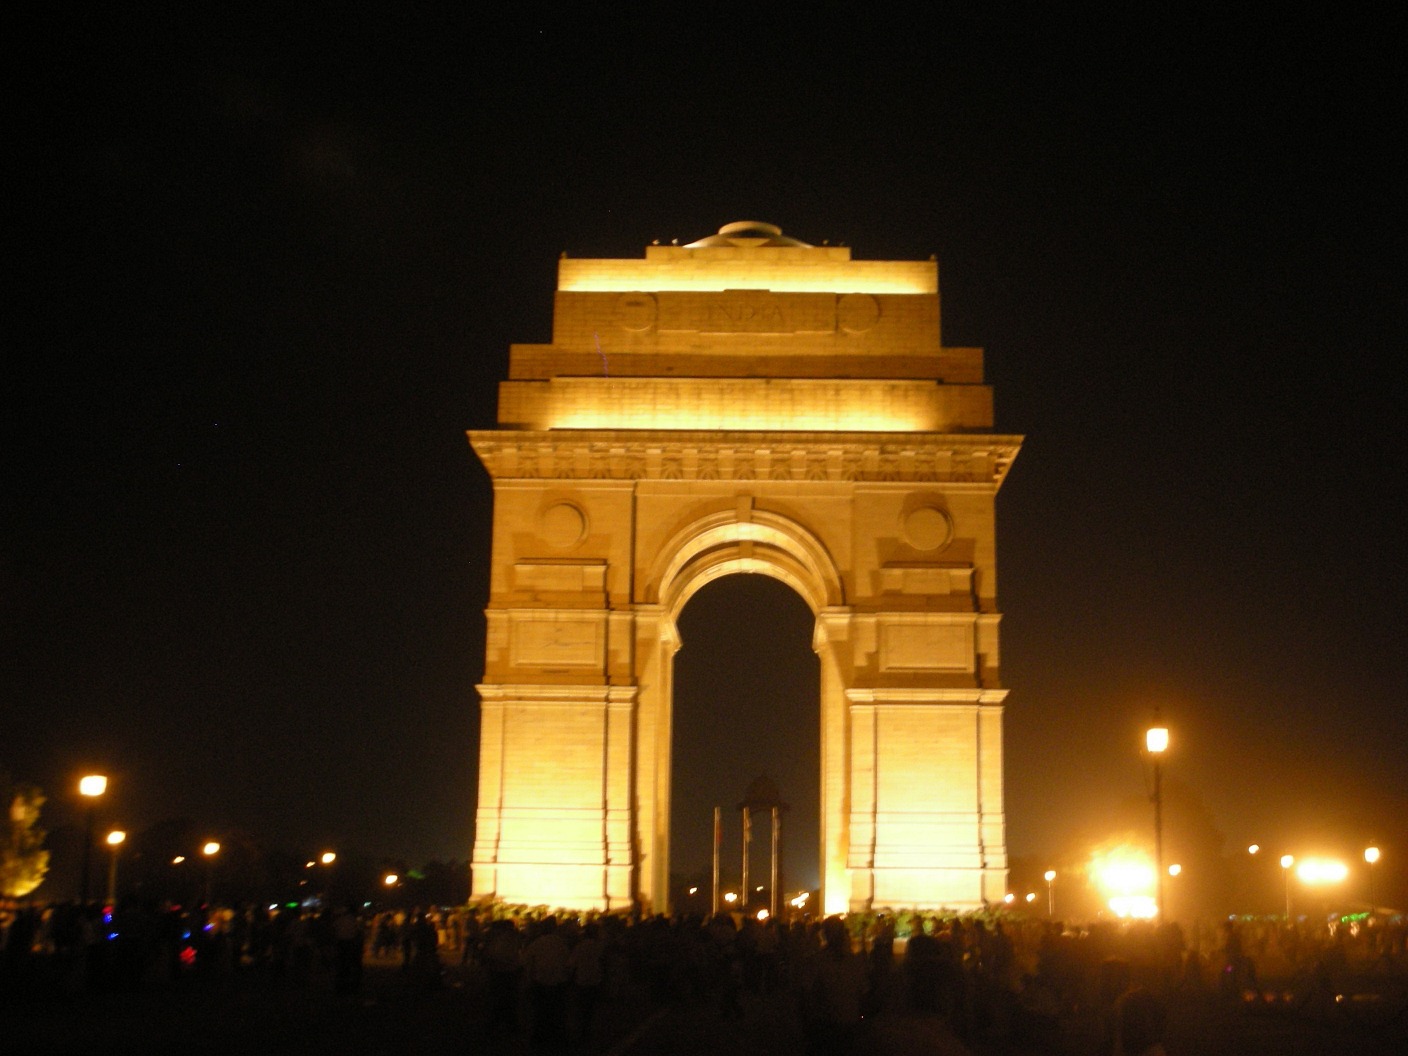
pixel 1321 871
pixel 1134 907
pixel 1125 876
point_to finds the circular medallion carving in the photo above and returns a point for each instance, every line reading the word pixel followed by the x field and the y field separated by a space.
pixel 857 312
pixel 562 525
pixel 927 528
pixel 635 312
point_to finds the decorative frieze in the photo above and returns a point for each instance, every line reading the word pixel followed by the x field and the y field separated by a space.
pixel 618 455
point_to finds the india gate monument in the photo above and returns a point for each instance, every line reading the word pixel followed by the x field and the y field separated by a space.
pixel 744 403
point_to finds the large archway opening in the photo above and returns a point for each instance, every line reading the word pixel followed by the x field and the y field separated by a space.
pixel 746 703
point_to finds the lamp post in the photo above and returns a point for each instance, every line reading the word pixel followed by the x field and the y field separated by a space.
pixel 1050 878
pixel 210 850
pixel 90 787
pixel 1156 741
pixel 115 839
pixel 1288 860
pixel 1371 855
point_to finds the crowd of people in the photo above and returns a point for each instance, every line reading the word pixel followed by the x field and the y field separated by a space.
pixel 550 974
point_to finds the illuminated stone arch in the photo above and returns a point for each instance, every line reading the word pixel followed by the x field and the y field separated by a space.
pixel 747 403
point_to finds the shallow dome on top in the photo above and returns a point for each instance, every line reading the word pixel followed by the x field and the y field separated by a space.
pixel 746 234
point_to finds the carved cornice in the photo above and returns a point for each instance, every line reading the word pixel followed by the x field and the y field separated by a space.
pixel 941 458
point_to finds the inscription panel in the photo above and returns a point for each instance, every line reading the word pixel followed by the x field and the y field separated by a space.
pixel 926 646
pixel 748 312
pixel 560 642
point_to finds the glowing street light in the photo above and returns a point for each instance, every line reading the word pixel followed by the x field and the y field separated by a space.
pixel 1288 860
pixel 1050 877
pixel 390 879
pixel 1254 848
pixel 114 841
pixel 1156 742
pixel 90 786
pixel 328 857
pixel 1371 855
pixel 1175 869
pixel 730 897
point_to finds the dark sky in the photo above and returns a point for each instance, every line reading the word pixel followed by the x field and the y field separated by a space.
pixel 263 278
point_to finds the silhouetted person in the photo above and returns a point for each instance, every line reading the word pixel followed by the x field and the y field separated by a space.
pixel 1140 1018
pixel 837 993
pixel 546 965
pixel 347 939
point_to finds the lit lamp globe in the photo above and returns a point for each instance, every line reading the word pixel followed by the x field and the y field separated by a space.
pixel 328 857
pixel 116 837
pixel 211 848
pixel 1371 855
pixel 93 785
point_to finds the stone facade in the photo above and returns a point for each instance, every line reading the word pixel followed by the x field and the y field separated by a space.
pixel 747 403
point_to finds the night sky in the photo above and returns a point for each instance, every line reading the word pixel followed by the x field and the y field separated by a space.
pixel 263 278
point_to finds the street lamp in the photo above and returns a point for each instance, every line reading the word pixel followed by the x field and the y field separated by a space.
pixel 1050 877
pixel 91 787
pixel 1371 855
pixel 115 839
pixel 1288 860
pixel 1156 741
pixel 210 850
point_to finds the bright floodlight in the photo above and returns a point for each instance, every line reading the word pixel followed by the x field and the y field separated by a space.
pixel 211 848
pixel 1371 855
pixel 1175 869
pixel 1031 896
pixel 1049 875
pixel 1156 739
pixel 730 897
pixel 763 914
pixel 1138 907
pixel 1124 873
pixel 328 858
pixel 1287 860
pixel 1321 871
pixel 1254 848
pixel 93 785
pixel 115 837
